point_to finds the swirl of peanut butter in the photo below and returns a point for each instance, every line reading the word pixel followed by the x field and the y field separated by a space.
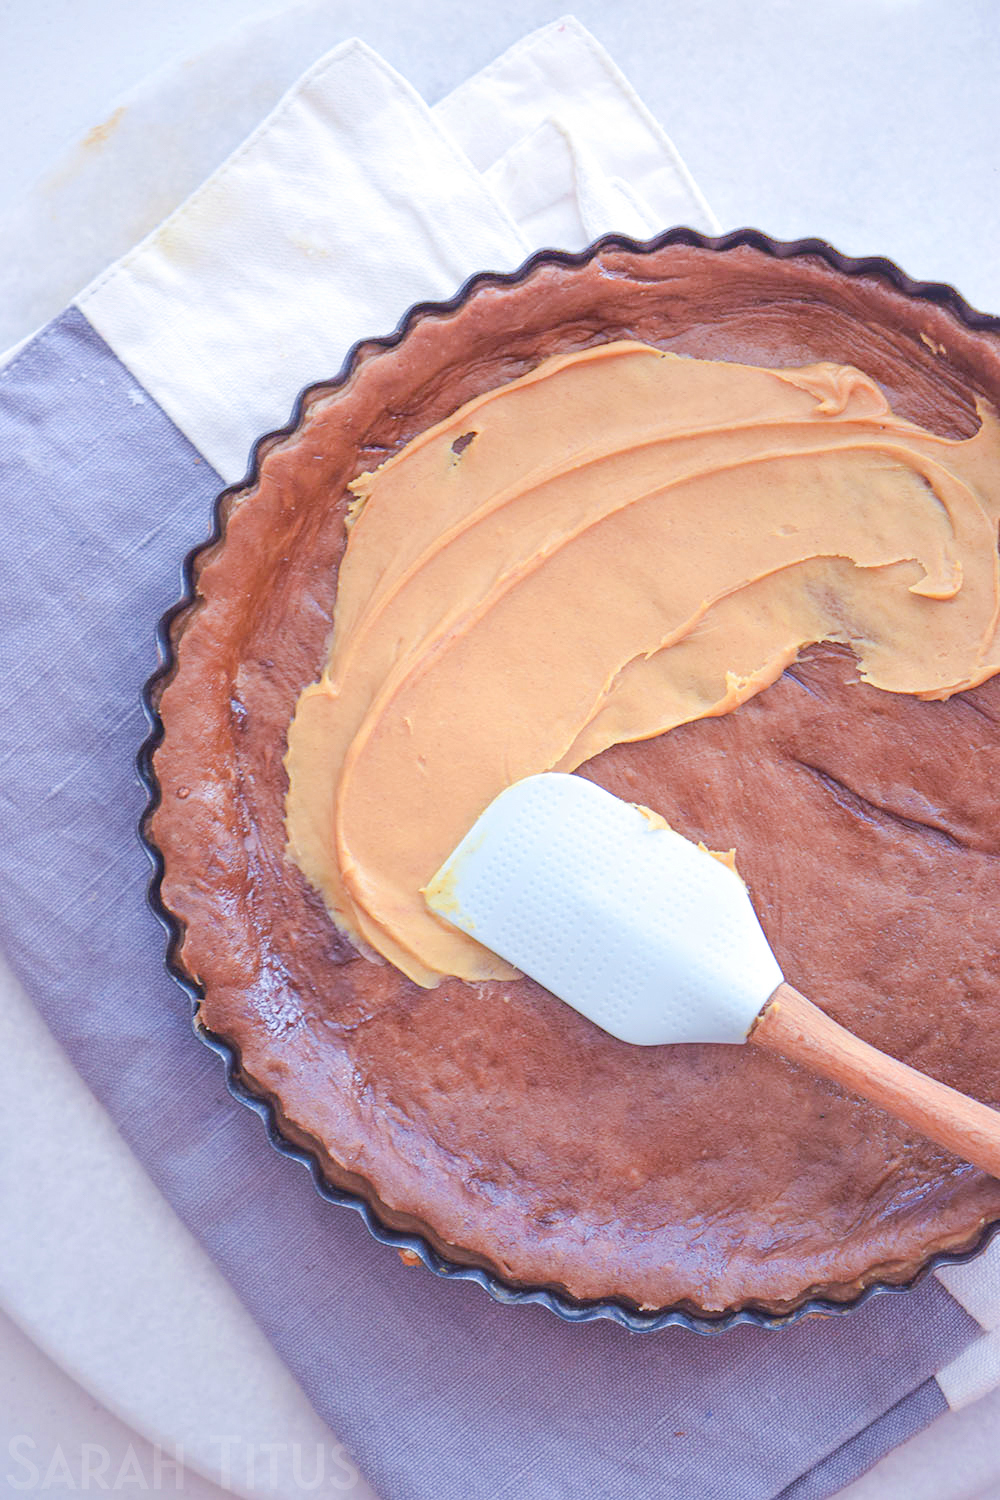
pixel 617 543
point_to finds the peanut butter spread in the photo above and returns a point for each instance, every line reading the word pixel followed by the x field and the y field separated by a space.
pixel 619 542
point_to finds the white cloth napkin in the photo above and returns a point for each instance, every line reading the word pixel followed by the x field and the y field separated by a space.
pixel 351 238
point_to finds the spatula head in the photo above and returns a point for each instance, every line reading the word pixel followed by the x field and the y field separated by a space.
pixel 631 924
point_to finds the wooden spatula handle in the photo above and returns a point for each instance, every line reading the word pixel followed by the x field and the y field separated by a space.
pixel 792 1025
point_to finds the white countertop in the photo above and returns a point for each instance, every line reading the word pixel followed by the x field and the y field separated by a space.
pixel 868 122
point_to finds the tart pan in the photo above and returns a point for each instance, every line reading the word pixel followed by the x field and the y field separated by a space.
pixel 411 1245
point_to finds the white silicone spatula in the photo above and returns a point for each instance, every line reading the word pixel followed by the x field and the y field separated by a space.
pixel 655 940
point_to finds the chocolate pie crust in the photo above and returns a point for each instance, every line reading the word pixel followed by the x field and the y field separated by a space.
pixel 490 1119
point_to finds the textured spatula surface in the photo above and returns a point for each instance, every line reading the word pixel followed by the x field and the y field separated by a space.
pixel 638 929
